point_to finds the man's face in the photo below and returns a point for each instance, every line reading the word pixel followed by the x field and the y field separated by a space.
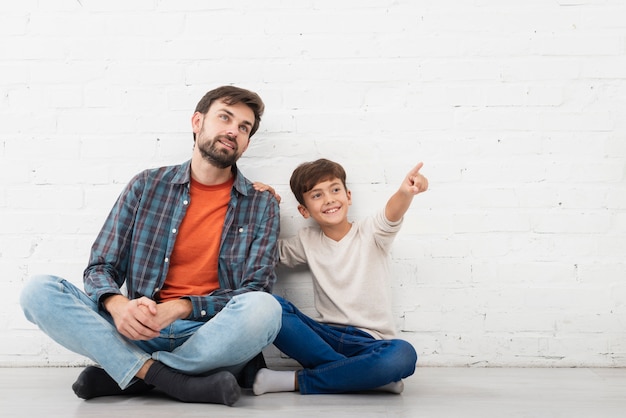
pixel 223 133
pixel 327 203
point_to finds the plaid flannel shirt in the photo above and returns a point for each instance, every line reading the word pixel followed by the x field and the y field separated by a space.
pixel 137 239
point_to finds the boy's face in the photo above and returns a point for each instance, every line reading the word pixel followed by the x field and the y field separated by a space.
pixel 327 203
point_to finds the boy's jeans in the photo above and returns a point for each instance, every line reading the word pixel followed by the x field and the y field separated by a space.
pixel 247 324
pixel 340 359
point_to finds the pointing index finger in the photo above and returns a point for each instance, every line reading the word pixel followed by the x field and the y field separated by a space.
pixel 416 169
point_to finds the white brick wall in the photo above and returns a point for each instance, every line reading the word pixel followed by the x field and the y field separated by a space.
pixel 515 257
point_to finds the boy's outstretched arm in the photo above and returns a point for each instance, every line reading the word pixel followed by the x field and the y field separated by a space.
pixel 413 184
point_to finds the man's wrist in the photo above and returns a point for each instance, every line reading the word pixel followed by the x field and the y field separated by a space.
pixel 107 299
pixel 186 308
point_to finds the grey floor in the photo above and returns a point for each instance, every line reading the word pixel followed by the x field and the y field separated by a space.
pixel 431 392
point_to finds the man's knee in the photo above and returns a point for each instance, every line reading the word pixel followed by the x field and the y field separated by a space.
pixel 265 308
pixel 36 291
pixel 264 303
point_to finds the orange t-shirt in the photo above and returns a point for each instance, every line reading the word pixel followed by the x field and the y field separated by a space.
pixel 194 259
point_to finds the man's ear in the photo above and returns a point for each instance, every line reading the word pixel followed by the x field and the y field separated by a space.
pixel 196 122
pixel 303 211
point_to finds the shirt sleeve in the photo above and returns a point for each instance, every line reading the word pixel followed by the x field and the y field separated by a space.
pixel 108 260
pixel 291 251
pixel 383 230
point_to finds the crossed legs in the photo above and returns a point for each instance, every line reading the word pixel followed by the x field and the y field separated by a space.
pixel 238 333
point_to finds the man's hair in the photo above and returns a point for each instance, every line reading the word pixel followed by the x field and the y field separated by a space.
pixel 232 95
pixel 308 174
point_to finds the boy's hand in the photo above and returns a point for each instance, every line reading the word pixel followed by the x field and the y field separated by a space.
pixel 415 182
pixel 262 187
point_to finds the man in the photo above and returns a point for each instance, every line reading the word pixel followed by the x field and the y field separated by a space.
pixel 195 246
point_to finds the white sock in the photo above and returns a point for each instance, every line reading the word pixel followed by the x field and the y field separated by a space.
pixel 267 380
pixel 393 387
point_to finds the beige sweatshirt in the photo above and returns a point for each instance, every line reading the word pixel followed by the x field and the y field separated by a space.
pixel 350 277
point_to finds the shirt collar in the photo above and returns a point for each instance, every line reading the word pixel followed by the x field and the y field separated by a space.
pixel 183 174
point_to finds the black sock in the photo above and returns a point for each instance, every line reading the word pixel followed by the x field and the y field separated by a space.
pixel 94 381
pixel 220 387
pixel 248 374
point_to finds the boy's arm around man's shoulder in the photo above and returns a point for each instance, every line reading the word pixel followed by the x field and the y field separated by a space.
pixel 291 251
pixel 413 184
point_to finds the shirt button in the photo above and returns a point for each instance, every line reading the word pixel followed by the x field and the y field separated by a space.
pixel 240 229
pixel 173 230
pixel 203 312
pixel 185 202
pixel 167 260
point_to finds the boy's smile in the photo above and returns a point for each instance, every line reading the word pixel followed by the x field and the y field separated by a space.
pixel 327 203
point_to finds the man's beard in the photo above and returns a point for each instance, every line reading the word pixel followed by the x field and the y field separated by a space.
pixel 220 158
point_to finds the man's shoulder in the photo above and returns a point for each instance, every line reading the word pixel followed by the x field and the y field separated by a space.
pixel 172 173
pixel 247 191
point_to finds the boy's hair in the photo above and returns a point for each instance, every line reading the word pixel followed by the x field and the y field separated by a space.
pixel 308 174
pixel 232 95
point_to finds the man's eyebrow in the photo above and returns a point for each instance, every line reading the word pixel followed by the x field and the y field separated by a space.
pixel 231 114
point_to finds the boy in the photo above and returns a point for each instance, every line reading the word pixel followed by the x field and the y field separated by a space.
pixel 351 347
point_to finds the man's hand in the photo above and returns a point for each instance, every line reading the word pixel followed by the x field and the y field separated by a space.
pixel 170 311
pixel 143 319
pixel 134 319
pixel 262 187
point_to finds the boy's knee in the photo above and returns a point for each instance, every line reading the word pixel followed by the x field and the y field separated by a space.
pixel 407 355
pixel 285 305
pixel 400 358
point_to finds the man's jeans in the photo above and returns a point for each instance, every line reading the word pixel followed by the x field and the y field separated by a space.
pixel 340 359
pixel 247 324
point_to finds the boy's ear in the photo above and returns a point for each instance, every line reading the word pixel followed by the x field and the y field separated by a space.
pixel 349 194
pixel 303 211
